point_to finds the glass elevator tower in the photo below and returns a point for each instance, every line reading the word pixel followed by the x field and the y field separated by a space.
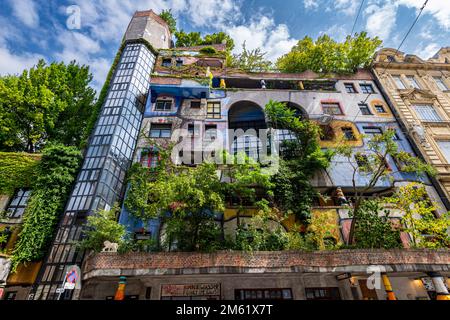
pixel 101 180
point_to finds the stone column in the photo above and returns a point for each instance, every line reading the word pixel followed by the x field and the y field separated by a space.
pixel 440 287
pixel 388 287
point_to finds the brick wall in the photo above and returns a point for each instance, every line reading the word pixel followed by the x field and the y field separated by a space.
pixel 283 261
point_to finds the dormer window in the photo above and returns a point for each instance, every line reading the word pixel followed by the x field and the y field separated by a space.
pixel 390 58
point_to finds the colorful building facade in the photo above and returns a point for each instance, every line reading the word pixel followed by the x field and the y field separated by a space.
pixel 189 97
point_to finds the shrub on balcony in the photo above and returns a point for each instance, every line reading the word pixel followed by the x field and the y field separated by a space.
pixel 101 227
pixel 374 231
pixel 420 220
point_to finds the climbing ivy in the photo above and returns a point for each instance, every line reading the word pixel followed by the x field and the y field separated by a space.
pixel 301 159
pixel 17 170
pixel 55 175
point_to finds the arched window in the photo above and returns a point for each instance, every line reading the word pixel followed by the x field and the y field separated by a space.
pixel 250 118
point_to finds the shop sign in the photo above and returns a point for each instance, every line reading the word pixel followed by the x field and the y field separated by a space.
pixel 191 290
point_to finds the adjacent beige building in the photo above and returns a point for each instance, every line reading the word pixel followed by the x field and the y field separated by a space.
pixel 419 93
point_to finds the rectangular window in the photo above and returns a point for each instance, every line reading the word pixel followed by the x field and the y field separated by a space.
pixel 350 88
pixel 440 83
pixel 17 206
pixel 160 130
pixel 427 113
pixel 163 105
pixel 11 295
pixel 366 88
pixel 263 294
pixel 179 62
pixel 379 108
pixel 322 294
pixel 445 149
pixel 348 133
pixel 332 109
pixel 372 131
pixel 210 132
pixel 196 104
pixel 398 82
pixel 365 109
pixel 412 80
pixel 214 110
pixel 149 160
pixel 167 63
pixel 193 130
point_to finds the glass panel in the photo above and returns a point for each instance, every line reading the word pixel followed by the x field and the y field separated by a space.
pixel 427 113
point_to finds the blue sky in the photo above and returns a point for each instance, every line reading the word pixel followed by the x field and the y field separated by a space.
pixel 33 29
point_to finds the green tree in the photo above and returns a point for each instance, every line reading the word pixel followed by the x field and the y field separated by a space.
pixel 219 38
pixel 325 55
pixel 46 103
pixel 301 159
pixel 246 181
pixel 186 199
pixel 190 39
pixel 250 60
pixel 419 218
pixel 373 230
pixel 321 231
pixel 167 16
pixel 371 164
pixel 101 227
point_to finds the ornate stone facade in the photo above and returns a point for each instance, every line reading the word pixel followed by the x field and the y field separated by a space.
pixel 419 93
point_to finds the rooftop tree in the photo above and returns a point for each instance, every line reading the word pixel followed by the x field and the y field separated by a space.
pixel 167 16
pixel 325 55
pixel 192 39
pixel 250 60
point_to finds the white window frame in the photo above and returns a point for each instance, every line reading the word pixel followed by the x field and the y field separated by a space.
pixel 430 115
pixel 445 150
pixel 399 84
pixel 440 83
pixel 413 81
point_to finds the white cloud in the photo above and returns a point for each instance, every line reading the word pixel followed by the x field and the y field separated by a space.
pixel 265 34
pixel 11 63
pixel 26 12
pixel 427 51
pixel 347 7
pixel 83 49
pixel 311 4
pixel 337 32
pixel 439 9
pixel 381 20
